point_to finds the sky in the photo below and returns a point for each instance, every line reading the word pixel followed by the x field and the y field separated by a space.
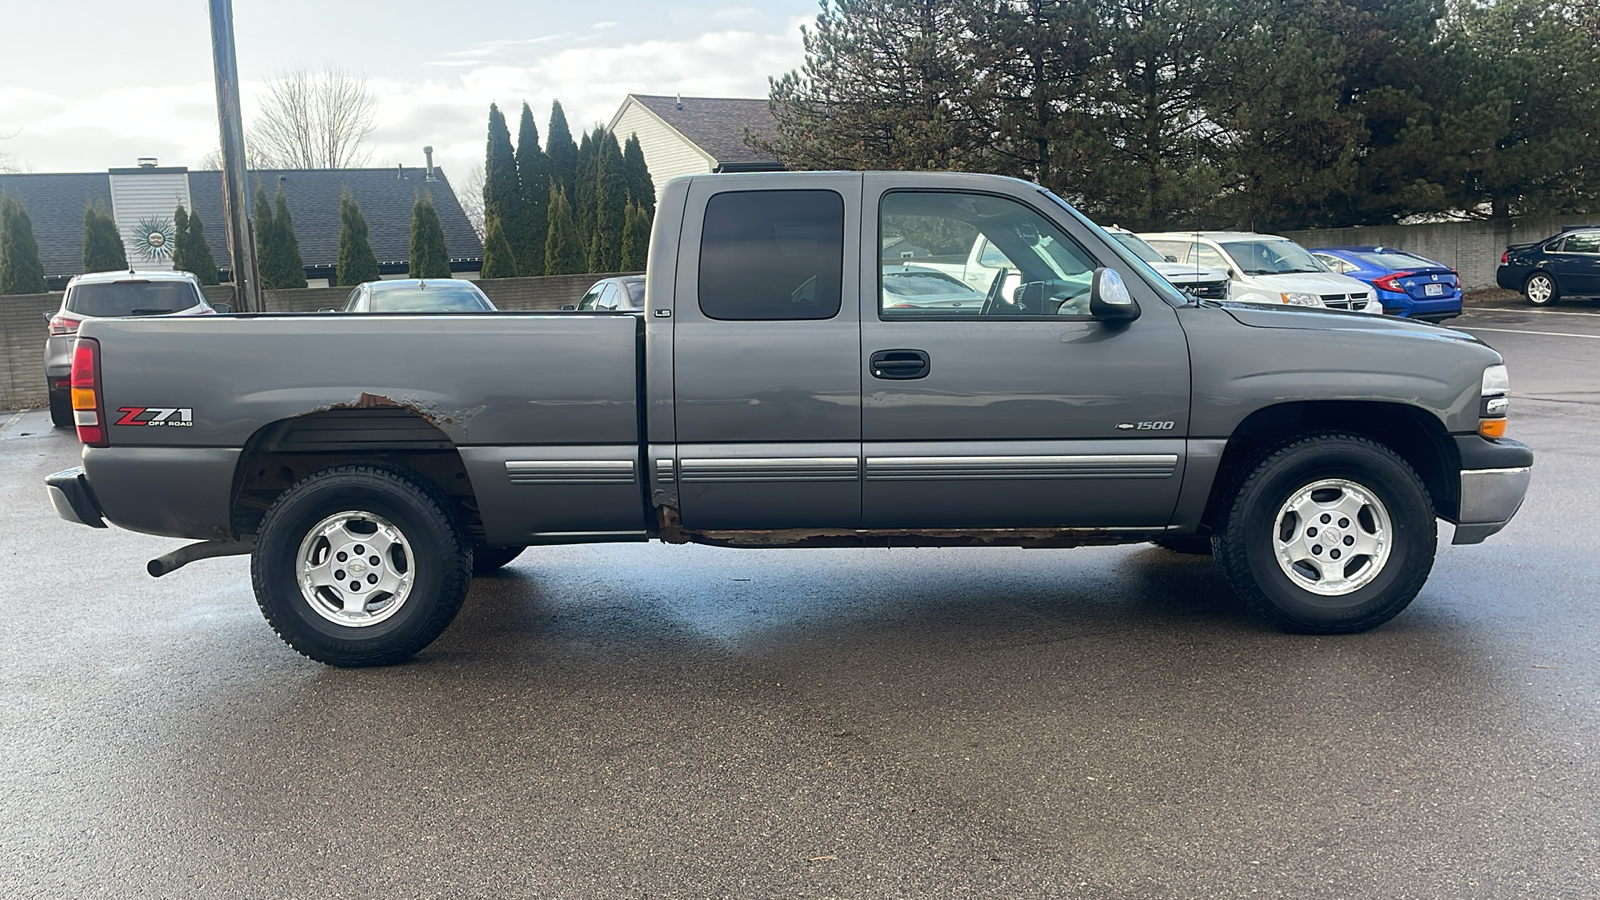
pixel 87 85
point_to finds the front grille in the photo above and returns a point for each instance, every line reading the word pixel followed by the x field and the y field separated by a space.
pixel 1209 290
pixel 1345 301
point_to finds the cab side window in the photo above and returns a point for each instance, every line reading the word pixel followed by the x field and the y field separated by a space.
pixel 1587 242
pixel 772 255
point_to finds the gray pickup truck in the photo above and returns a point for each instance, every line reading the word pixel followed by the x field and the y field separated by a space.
pixel 770 397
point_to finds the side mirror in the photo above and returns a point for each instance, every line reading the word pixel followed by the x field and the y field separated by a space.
pixel 1232 275
pixel 1172 257
pixel 568 306
pixel 1109 299
pixel 48 316
pixel 327 309
pixel 222 308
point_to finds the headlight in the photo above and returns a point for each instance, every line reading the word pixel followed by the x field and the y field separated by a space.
pixel 1298 299
pixel 1496 380
pixel 1495 403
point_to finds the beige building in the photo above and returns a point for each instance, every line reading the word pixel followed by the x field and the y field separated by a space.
pixel 695 135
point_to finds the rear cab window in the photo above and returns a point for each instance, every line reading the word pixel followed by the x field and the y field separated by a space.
pixel 772 255
pixel 132 298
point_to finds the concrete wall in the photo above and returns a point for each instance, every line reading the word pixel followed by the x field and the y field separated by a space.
pixel 1471 248
pixel 22 321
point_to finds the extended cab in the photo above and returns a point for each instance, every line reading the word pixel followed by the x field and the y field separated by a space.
pixel 772 396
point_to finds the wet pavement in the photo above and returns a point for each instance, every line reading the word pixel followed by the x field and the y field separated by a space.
pixel 655 721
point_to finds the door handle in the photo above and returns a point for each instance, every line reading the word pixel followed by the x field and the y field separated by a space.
pixel 900 365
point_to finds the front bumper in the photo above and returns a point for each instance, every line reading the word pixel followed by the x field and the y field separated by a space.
pixel 72 499
pixel 1494 481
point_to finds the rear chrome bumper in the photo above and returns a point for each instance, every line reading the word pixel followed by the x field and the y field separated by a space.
pixel 72 499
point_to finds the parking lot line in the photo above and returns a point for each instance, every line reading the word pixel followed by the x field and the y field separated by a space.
pixel 13 420
pixel 1592 337
pixel 1541 312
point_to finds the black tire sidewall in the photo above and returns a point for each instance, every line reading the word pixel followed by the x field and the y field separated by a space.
pixel 61 410
pixel 1374 469
pixel 430 535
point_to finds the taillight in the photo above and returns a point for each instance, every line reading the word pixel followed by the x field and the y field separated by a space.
pixel 88 406
pixel 1505 257
pixel 1391 282
pixel 60 324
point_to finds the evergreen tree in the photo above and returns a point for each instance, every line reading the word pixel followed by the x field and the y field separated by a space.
pixel 429 258
pixel 635 239
pixel 357 264
pixel 292 269
pixel 103 250
pixel 267 243
pixel 533 175
pixel 640 185
pixel 583 197
pixel 21 271
pixel 610 206
pixel 197 254
pixel 499 260
pixel 502 194
pixel 180 236
pixel 563 254
pixel 562 152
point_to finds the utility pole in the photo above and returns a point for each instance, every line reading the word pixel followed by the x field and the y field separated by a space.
pixel 235 202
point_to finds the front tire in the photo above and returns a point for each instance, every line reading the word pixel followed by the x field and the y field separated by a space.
pixel 1328 534
pixel 61 409
pixel 1540 289
pixel 360 565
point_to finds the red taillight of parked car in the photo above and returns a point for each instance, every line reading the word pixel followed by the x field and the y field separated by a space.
pixel 60 324
pixel 1505 257
pixel 88 406
pixel 1391 282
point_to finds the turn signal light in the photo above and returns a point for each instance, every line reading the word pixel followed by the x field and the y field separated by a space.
pixel 1493 428
pixel 88 409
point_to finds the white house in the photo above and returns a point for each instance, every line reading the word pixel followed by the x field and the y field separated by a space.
pixel 695 135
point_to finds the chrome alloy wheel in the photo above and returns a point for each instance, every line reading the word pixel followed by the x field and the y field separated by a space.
pixel 1332 537
pixel 355 569
pixel 1539 289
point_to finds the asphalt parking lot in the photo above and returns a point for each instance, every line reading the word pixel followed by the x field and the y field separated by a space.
pixel 657 721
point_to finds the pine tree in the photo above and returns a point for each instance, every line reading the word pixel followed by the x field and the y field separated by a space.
pixel 583 196
pixel 357 264
pixel 197 254
pixel 563 254
pixel 562 152
pixel 499 260
pixel 292 271
pixel 21 271
pixel 635 239
pixel 641 187
pixel 103 250
pixel 610 206
pixel 502 193
pixel 267 243
pixel 180 237
pixel 533 177
pixel 429 258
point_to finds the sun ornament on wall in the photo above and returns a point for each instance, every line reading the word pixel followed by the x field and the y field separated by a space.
pixel 153 238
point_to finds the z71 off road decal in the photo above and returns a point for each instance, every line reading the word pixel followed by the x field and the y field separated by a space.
pixel 156 416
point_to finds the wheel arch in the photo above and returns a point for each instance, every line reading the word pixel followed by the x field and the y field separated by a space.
pixel 1412 432
pixel 281 453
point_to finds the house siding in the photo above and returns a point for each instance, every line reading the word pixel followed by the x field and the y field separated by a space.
pixel 152 195
pixel 666 152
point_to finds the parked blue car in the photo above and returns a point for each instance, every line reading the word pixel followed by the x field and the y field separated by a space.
pixel 1408 285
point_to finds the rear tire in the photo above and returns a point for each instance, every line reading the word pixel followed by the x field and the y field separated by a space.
pixel 360 565
pixel 61 409
pixel 1540 289
pixel 1328 534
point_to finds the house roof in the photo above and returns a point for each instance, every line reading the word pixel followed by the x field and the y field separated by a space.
pixel 715 124
pixel 384 195
pixel 55 204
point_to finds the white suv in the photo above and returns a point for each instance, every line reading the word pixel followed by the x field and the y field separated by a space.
pixel 1265 268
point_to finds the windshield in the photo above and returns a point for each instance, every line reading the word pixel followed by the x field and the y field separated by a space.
pixel 1272 256
pixel 433 298
pixel 132 298
pixel 1138 246
pixel 1398 259
pixel 636 291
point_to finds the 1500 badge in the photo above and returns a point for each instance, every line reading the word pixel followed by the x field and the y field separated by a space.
pixel 156 416
pixel 1145 426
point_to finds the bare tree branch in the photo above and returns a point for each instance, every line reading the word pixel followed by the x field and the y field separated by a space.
pixel 471 197
pixel 314 120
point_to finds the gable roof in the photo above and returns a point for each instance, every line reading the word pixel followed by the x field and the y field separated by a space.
pixel 716 125
pixel 384 195
pixel 55 204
